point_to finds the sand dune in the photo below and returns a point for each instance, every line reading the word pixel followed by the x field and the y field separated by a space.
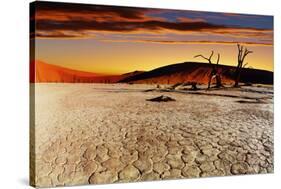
pixel 171 74
pixel 51 73
pixel 198 72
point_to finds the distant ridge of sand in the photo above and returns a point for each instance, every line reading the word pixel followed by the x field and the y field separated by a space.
pixel 49 73
pixel 42 72
pixel 198 72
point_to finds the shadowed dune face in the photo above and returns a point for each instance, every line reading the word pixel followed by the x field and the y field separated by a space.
pixel 198 72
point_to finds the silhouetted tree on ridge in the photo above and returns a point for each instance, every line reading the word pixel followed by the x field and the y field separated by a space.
pixel 214 72
pixel 242 53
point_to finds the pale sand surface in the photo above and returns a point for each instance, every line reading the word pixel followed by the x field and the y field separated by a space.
pixel 105 133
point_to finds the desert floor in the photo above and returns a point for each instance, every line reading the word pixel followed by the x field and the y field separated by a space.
pixel 105 133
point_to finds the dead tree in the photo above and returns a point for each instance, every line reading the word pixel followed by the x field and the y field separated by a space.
pixel 242 53
pixel 214 72
pixel 217 73
pixel 194 86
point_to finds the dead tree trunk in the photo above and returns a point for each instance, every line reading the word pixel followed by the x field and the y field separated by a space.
pixel 240 61
pixel 214 71
pixel 217 74
pixel 193 86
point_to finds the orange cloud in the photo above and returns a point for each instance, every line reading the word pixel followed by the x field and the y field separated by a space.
pixel 62 34
pixel 61 12
pixel 55 20
pixel 192 42
pixel 186 19
pixel 151 26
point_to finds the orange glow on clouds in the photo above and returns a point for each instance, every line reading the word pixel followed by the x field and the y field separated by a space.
pixel 117 40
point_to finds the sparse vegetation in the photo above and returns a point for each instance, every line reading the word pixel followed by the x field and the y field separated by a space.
pixel 242 53
pixel 194 86
pixel 214 73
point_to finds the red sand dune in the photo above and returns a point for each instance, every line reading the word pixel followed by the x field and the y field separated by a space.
pixel 171 74
pixel 44 72
pixel 198 72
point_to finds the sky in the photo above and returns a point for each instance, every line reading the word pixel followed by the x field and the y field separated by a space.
pixel 117 40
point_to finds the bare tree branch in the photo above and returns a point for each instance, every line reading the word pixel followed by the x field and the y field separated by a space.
pixel 211 55
pixel 245 65
pixel 242 53
pixel 200 55
pixel 245 54
pixel 218 59
pixel 208 59
pixel 214 72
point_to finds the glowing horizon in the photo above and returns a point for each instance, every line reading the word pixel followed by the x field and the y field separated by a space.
pixel 117 40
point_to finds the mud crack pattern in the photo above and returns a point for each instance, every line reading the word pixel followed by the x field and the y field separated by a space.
pixel 89 134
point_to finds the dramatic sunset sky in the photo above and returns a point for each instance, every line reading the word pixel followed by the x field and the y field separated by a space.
pixel 115 40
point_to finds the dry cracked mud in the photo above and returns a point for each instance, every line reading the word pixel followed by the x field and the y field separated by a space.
pixel 106 133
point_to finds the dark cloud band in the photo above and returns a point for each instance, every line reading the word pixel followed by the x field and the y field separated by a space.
pixel 59 20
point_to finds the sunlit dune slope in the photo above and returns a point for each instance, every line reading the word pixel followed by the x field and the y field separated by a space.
pixel 51 73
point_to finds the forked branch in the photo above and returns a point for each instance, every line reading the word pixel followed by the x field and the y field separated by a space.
pixel 208 59
pixel 218 59
pixel 242 53
pixel 214 71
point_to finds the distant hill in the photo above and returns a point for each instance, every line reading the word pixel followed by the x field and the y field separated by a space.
pixel 198 72
pixel 130 74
